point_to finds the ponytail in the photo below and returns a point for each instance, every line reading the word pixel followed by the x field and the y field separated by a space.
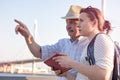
pixel 107 26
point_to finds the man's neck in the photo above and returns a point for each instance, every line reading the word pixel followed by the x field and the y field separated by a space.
pixel 72 40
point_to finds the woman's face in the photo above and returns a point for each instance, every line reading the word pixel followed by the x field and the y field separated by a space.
pixel 85 25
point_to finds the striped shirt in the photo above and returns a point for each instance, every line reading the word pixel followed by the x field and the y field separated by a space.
pixel 103 53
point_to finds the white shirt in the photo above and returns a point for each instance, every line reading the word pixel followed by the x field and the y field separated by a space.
pixel 103 54
pixel 73 49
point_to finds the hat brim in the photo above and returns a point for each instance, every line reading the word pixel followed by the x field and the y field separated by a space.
pixel 70 17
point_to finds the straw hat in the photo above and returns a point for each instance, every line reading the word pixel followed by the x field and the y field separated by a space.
pixel 73 12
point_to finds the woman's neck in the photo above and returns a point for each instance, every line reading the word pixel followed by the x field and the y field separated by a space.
pixel 92 34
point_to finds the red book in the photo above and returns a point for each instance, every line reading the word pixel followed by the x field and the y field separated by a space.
pixel 50 62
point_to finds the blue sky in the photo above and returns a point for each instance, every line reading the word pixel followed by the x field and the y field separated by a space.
pixel 50 25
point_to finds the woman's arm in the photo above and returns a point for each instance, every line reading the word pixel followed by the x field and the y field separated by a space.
pixel 92 72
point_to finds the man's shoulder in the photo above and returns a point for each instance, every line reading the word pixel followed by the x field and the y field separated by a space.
pixel 64 39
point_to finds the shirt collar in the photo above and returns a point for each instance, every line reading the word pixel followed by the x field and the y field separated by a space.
pixel 74 41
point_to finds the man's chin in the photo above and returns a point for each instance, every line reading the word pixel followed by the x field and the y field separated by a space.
pixel 70 35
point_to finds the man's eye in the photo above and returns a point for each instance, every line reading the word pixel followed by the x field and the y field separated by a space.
pixel 78 26
pixel 81 20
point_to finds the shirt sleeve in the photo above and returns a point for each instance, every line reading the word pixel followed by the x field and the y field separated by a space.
pixel 104 51
pixel 49 50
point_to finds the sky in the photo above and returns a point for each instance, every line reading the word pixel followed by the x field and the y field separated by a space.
pixel 51 27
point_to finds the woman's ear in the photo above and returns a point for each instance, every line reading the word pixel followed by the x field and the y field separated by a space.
pixel 95 22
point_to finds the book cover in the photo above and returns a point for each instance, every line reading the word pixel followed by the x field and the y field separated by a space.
pixel 50 62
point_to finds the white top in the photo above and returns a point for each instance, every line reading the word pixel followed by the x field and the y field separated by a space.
pixel 73 49
pixel 103 53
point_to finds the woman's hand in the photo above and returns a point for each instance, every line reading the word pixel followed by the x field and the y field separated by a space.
pixel 64 60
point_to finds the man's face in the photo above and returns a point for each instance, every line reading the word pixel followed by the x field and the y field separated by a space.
pixel 72 28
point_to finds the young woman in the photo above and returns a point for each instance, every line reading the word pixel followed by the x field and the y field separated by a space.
pixel 92 22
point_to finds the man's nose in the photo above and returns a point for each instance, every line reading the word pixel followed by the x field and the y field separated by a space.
pixel 69 26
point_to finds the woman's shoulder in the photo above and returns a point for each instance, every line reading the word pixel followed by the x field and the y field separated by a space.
pixel 104 38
